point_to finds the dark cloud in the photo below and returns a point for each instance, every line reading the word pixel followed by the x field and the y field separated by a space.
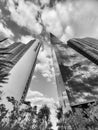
pixel 17 30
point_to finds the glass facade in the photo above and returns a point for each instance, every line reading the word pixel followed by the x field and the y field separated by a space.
pixel 79 73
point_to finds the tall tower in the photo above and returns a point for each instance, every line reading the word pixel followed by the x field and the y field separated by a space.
pixel 87 48
pixel 76 75
pixel 23 57
pixel 61 88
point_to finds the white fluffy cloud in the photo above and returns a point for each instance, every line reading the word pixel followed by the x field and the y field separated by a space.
pixel 45 65
pixel 65 20
pixel 33 94
pixel 72 19
pixel 44 2
pixel 26 39
pixel 52 21
pixel 37 98
pixel 24 14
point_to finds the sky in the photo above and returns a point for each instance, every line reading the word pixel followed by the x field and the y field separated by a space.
pixel 64 18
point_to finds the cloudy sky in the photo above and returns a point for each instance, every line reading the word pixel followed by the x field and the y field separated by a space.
pixel 64 18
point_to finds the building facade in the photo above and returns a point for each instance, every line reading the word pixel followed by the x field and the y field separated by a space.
pixel 23 58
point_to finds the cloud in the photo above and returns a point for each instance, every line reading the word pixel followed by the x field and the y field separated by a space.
pixel 44 2
pixel 67 19
pixel 24 14
pixel 4 31
pixel 52 22
pixel 33 94
pixel 26 39
pixel 34 77
pixel 41 3
pixel 45 65
pixel 85 20
pixel 0 13
pixel 37 98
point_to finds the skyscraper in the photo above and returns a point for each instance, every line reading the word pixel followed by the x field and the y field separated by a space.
pixel 61 88
pixel 76 73
pixel 88 48
pixel 23 58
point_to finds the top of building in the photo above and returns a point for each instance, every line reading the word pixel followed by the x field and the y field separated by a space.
pixel 10 55
pixel 15 51
pixel 88 47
